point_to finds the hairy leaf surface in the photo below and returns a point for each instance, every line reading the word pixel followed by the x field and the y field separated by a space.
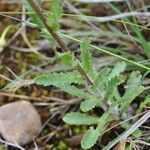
pixel 76 118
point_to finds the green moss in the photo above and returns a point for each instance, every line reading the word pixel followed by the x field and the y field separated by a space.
pixel 62 146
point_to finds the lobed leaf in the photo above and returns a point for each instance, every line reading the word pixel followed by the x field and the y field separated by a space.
pixel 90 138
pixel 134 78
pixel 71 89
pixel 112 85
pixel 144 103
pixel 101 80
pixel 66 58
pixel 129 96
pixel 118 68
pixel 34 17
pixel 54 16
pixel 92 135
pixel 59 79
pixel 76 118
pixel 86 59
pixel 89 104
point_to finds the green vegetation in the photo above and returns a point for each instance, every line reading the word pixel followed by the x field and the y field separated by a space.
pixel 102 92
pixel 93 77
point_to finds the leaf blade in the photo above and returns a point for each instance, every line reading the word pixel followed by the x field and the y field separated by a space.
pixel 118 68
pixel 86 59
pixel 89 104
pixel 59 79
pixel 90 138
pixel 76 118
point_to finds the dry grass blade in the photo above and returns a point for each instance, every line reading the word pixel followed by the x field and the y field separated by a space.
pixel 114 17
pixel 129 131
pixel 11 144
pixel 121 145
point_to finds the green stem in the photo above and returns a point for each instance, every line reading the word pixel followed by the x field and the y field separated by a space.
pixel 109 53
pixel 3 35
pixel 40 14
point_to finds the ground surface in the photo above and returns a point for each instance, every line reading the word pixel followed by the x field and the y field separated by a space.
pixel 19 64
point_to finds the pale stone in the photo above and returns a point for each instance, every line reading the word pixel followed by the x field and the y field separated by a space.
pixel 19 122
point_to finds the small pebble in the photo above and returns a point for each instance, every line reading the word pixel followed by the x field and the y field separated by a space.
pixel 19 122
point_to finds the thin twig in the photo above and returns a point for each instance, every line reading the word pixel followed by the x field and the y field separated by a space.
pixel 20 96
pixel 113 17
pixel 11 144
pixel 129 131
pixel 6 78
pixel 89 18
pixel 76 11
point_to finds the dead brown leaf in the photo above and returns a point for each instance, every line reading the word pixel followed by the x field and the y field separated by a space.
pixel 121 145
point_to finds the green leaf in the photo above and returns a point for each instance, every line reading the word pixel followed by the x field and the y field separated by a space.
pixel 76 118
pixel 129 96
pixel 92 135
pixel 106 117
pixel 37 21
pixel 89 104
pixel 129 147
pixel 145 44
pixel 116 94
pixel 64 81
pixel 134 78
pixel 54 16
pixel 90 101
pixel 101 80
pixel 90 138
pixel 144 103
pixel 118 68
pixel 45 34
pixel 34 17
pixel 132 91
pixel 86 59
pixel 51 20
pixel 66 58
pixel 59 79
pixel 137 133
pixel 112 85
pixel 71 89
pixel 56 9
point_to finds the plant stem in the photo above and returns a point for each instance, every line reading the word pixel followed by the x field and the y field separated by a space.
pixel 39 12
pixel 59 40
pixel 110 53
